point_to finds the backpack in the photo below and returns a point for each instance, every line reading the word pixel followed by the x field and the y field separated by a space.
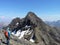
pixel 6 34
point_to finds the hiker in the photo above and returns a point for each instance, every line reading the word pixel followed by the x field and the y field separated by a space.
pixel 7 35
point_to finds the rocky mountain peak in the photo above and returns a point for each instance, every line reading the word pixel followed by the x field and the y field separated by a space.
pixel 42 33
pixel 31 14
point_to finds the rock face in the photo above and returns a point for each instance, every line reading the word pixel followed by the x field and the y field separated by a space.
pixel 43 34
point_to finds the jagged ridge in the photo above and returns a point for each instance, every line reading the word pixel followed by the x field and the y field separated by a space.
pixel 44 34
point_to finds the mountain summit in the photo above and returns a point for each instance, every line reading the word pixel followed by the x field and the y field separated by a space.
pixel 33 29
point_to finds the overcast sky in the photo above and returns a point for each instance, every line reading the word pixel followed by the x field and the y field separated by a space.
pixel 48 10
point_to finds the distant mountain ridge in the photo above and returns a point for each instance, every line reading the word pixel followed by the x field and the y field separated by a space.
pixel 54 23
